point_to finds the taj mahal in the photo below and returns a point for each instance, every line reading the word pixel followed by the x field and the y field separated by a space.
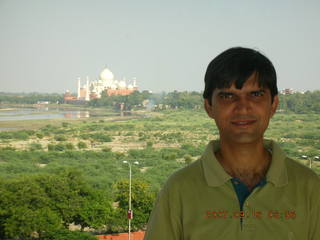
pixel 105 84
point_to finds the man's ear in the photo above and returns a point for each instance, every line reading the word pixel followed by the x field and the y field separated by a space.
pixel 208 108
pixel 274 105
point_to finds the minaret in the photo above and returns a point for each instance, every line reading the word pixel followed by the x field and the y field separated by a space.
pixel 134 82
pixel 79 86
pixel 87 90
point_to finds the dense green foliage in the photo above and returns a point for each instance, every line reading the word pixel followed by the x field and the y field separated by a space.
pixel 44 205
pixel 36 206
pixel 309 102
pixel 30 98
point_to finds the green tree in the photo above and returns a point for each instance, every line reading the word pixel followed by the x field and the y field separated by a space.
pixel 25 210
pixel 96 211
pixel 142 199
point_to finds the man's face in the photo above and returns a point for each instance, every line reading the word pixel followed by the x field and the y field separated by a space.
pixel 242 115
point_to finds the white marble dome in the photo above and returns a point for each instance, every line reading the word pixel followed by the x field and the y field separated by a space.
pixel 122 84
pixel 106 75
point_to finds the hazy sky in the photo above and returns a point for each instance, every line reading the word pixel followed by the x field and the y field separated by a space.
pixel 46 44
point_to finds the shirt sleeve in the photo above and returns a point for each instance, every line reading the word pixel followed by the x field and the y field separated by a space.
pixel 315 213
pixel 164 222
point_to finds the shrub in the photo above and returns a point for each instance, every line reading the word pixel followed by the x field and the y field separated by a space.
pixel 187 159
pixel 58 147
pixel 85 136
pixel 149 144
pixel 65 124
pixel 8 148
pixel 39 135
pixel 35 146
pixel 82 145
pixel 21 135
pixel 50 147
pixel 101 137
pixel 69 146
pixel 106 149
pixel 60 138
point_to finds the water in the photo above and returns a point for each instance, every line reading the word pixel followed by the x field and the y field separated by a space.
pixel 40 113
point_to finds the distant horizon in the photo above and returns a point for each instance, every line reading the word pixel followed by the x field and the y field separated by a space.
pixel 75 93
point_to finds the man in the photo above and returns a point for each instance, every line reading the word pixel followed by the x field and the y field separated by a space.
pixel 244 186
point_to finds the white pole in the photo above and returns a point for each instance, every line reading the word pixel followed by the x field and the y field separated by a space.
pixel 310 162
pixel 130 201
pixel 87 91
pixel 79 86
pixel 130 213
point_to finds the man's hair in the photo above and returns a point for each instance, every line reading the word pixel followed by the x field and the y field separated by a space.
pixel 236 65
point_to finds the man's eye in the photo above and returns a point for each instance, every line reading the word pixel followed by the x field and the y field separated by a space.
pixel 226 95
pixel 257 93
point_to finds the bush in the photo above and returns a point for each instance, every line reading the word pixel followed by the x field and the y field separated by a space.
pixel 21 135
pixel 101 137
pixel 50 147
pixel 8 149
pixel 69 146
pixel 39 135
pixel 82 145
pixel 106 149
pixel 65 124
pixel 149 144
pixel 58 147
pixel 60 138
pixel 187 159
pixel 35 146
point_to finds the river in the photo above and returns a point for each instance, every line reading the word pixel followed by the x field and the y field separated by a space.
pixel 13 114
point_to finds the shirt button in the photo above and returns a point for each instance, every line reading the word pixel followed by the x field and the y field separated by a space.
pixel 247 204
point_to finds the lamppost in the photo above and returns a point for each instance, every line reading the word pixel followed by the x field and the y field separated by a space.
pixel 310 160
pixel 130 212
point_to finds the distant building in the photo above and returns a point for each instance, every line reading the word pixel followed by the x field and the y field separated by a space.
pixel 287 91
pixel 43 102
pixel 105 84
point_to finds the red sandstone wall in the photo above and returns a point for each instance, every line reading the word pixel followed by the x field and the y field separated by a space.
pixel 122 236
pixel 122 92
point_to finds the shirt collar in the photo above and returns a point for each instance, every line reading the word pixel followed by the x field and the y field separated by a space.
pixel 215 174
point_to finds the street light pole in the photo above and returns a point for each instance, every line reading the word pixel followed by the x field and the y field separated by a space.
pixel 130 212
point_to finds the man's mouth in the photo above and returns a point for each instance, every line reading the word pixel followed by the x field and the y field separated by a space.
pixel 243 122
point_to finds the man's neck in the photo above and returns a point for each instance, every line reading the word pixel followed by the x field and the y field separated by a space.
pixel 248 162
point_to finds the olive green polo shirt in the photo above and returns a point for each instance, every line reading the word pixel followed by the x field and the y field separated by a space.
pixel 199 202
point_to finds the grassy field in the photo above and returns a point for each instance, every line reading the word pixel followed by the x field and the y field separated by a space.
pixel 174 137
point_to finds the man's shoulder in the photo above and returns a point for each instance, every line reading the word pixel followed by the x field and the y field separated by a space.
pixel 187 175
pixel 300 172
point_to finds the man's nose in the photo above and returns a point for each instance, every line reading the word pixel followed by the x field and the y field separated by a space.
pixel 243 105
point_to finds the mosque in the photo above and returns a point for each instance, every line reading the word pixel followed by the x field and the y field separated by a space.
pixel 106 83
